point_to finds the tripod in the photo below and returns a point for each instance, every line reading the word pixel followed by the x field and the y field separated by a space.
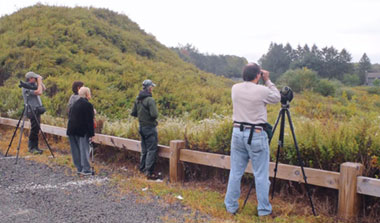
pixel 27 107
pixel 283 112
pixel 92 157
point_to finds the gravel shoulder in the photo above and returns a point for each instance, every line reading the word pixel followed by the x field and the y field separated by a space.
pixel 35 192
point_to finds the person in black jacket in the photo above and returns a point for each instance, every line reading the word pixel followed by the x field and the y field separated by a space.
pixel 81 130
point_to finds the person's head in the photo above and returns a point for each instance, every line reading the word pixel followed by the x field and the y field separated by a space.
pixel 84 92
pixel 148 85
pixel 76 86
pixel 31 77
pixel 251 72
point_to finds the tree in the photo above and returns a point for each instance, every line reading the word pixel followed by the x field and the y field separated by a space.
pixel 310 59
pixel 344 63
pixel 364 67
pixel 224 65
pixel 277 60
pixel 327 62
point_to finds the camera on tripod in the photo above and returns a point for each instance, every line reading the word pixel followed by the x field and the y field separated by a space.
pixel 286 95
pixel 26 85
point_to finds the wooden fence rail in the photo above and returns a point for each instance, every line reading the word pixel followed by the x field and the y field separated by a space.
pixel 348 182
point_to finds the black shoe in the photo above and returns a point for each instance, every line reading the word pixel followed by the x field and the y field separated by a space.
pixel 152 176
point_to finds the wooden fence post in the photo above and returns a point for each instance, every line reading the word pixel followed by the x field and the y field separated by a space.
pixel 349 200
pixel 176 170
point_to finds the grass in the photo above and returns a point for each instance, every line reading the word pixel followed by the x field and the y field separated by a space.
pixel 203 197
pixel 210 202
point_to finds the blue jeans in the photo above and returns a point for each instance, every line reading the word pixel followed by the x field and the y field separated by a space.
pixel 241 152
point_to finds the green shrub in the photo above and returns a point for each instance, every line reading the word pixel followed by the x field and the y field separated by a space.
pixel 299 79
pixel 345 93
pixel 374 90
pixel 376 83
pixel 351 79
pixel 325 87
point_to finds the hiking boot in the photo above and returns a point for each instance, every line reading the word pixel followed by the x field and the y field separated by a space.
pixel 35 151
pixel 86 173
pixel 269 216
pixel 39 150
pixel 231 213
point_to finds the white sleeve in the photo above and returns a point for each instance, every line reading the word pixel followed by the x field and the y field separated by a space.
pixel 274 95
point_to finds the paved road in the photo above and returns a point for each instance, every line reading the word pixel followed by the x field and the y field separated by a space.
pixel 34 192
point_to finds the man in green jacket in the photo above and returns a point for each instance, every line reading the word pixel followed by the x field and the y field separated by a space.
pixel 146 110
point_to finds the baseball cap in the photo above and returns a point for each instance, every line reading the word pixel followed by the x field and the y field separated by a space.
pixel 31 74
pixel 148 83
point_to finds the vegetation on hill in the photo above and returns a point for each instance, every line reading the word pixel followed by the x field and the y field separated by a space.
pixel 222 65
pixel 107 51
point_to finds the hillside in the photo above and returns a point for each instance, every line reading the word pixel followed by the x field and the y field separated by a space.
pixel 107 51
pixel 222 65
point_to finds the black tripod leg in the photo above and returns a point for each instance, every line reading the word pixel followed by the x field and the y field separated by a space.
pixel 280 145
pixel 39 127
pixel 19 141
pixel 92 157
pixel 14 133
pixel 300 161
pixel 249 192
pixel 275 125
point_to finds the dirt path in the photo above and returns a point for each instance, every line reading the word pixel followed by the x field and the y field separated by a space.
pixel 34 192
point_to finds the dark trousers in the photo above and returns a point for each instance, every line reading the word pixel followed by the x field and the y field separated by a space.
pixel 34 130
pixel 149 149
pixel 80 152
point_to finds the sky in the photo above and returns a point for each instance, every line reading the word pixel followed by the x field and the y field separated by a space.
pixel 246 27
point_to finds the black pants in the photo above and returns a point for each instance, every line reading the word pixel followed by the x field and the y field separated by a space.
pixel 34 130
pixel 149 148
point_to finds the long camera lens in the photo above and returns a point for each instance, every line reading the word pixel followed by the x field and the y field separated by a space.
pixel 27 85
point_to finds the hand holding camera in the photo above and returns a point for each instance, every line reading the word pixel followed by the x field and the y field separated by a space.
pixel 264 75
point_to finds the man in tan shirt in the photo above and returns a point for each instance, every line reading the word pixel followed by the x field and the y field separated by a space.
pixel 249 141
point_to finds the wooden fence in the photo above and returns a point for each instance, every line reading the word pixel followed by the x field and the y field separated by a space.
pixel 349 182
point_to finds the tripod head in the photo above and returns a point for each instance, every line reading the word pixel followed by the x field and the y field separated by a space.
pixel 286 96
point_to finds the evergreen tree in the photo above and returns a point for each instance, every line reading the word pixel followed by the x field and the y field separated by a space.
pixel 223 65
pixel 364 67
pixel 277 60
